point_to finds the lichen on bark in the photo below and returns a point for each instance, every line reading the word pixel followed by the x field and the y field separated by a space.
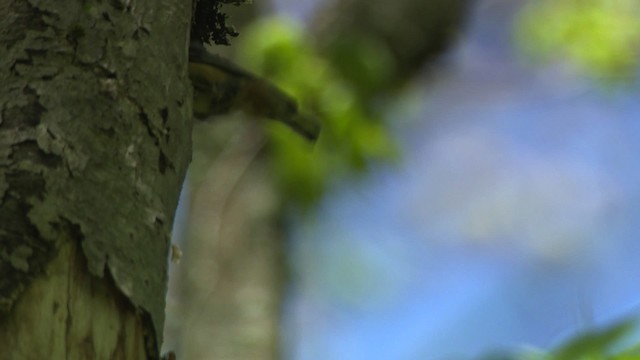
pixel 95 138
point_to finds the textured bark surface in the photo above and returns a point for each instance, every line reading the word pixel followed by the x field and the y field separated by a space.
pixel 95 126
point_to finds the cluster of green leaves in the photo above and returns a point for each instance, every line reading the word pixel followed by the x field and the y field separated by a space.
pixel 600 36
pixel 352 133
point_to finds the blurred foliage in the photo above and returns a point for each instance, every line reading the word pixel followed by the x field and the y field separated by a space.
pixel 600 36
pixel 599 344
pixel 352 134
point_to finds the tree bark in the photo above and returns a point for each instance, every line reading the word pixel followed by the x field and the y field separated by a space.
pixel 95 139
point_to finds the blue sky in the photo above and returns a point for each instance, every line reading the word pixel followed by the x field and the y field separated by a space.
pixel 511 220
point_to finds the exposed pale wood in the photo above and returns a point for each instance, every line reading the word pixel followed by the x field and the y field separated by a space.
pixel 69 314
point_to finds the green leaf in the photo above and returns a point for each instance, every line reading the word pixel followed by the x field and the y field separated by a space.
pixel 595 344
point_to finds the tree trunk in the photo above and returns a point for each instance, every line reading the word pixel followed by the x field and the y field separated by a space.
pixel 233 264
pixel 95 139
pixel 226 294
pixel 231 290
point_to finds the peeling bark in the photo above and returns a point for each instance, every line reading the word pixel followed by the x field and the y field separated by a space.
pixel 95 126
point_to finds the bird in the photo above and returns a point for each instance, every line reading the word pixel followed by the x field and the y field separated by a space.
pixel 221 87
